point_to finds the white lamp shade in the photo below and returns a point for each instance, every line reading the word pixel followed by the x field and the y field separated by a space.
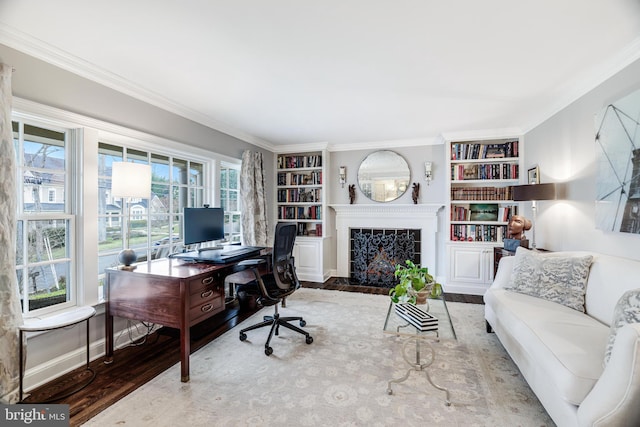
pixel 130 180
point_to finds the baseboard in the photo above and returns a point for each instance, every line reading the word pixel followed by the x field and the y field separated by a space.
pixel 44 373
pixel 463 289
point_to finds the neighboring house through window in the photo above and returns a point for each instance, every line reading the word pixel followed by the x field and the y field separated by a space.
pixel 156 222
pixel 230 200
pixel 45 228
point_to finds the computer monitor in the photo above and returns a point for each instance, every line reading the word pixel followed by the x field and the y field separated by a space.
pixel 203 225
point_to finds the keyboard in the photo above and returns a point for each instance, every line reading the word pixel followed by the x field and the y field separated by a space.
pixel 242 251
pixel 219 256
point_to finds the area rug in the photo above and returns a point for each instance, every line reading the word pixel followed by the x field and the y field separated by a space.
pixel 340 379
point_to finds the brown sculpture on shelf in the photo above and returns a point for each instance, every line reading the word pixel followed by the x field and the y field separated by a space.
pixel 415 193
pixel 517 226
pixel 515 232
pixel 352 193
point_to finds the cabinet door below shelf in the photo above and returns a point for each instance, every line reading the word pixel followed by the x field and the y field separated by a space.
pixel 470 268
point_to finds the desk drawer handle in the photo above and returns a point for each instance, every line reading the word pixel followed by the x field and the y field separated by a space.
pixel 206 308
pixel 206 294
pixel 207 280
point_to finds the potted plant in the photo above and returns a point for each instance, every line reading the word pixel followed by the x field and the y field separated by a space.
pixel 415 284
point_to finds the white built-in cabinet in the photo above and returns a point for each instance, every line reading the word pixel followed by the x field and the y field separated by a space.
pixel 301 198
pixel 481 174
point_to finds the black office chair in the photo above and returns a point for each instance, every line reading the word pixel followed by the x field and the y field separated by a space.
pixel 275 286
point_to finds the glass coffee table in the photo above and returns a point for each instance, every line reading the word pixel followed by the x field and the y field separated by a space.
pixel 418 333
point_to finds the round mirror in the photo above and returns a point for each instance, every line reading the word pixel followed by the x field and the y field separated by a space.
pixel 384 176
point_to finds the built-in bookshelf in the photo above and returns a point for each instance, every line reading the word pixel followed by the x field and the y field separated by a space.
pixel 482 173
pixel 480 182
pixel 300 191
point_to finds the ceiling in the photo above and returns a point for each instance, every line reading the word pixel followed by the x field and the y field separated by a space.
pixel 348 73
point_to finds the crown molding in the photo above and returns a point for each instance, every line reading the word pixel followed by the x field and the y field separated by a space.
pixel 42 50
pixel 289 148
pixel 479 135
pixel 45 114
pixel 386 144
pixel 588 81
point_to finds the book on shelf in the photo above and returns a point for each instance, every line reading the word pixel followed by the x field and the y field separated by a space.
pixel 477 233
pixel 481 193
pixel 474 151
pixel 299 161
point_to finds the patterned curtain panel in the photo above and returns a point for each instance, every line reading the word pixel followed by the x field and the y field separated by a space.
pixel 10 311
pixel 254 204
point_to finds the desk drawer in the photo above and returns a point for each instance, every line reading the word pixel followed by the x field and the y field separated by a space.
pixel 201 308
pixel 213 281
pixel 206 297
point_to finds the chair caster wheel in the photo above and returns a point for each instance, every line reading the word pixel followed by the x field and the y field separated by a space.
pixel 303 323
pixel 268 351
pixel 389 391
pixel 243 336
pixel 309 340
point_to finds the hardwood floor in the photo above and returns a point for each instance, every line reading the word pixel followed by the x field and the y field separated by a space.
pixel 135 365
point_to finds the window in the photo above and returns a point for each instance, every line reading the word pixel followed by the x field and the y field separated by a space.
pixel 64 163
pixel 156 222
pixel 45 226
pixel 230 200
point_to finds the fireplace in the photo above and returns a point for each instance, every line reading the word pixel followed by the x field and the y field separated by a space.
pixel 374 254
pixel 422 217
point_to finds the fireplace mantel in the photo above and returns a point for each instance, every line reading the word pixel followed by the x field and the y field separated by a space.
pixel 422 216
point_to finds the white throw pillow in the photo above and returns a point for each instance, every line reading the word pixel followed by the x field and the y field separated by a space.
pixel 627 311
pixel 551 276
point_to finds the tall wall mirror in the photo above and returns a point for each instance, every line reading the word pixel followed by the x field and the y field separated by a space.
pixel 384 176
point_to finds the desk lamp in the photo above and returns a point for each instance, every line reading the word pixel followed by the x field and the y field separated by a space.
pixel 532 193
pixel 130 181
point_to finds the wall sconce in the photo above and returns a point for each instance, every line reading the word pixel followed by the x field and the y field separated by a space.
pixel 427 172
pixel 343 175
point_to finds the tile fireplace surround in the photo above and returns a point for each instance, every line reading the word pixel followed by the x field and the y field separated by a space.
pixel 423 217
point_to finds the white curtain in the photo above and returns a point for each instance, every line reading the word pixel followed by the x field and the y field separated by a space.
pixel 254 205
pixel 10 311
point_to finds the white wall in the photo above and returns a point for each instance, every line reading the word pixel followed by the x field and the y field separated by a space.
pixel 564 148
pixel 415 156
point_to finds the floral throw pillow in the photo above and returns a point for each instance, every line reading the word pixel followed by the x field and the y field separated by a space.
pixel 551 276
pixel 627 311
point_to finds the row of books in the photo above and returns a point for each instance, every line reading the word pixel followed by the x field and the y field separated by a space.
pixel 484 171
pixel 291 178
pixel 483 212
pixel 464 151
pixel 477 232
pixel 301 161
pixel 300 212
pixel 481 193
pixel 306 229
pixel 298 195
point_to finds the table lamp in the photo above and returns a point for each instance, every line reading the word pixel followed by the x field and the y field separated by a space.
pixel 129 181
pixel 532 193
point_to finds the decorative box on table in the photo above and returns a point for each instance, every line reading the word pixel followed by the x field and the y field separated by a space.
pixel 418 318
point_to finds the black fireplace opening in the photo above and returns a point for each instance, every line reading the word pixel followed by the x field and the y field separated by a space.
pixel 374 253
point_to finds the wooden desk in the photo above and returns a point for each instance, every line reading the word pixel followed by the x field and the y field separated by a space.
pixel 167 292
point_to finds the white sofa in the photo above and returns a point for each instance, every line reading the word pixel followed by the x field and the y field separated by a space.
pixel 560 351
